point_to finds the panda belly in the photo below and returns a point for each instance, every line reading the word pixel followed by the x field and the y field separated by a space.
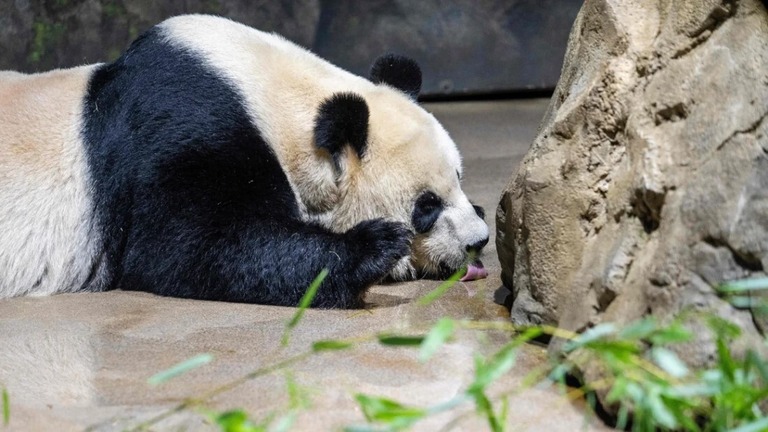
pixel 192 202
pixel 47 240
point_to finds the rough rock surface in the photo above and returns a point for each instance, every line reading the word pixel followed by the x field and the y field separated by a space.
pixel 647 185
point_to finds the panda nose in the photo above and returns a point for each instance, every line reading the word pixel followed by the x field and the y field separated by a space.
pixel 478 246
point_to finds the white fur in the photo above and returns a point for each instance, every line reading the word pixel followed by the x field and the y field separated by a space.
pixel 47 242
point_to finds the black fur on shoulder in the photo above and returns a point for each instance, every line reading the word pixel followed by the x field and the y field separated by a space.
pixel 192 202
pixel 342 119
pixel 398 71
pixel 426 211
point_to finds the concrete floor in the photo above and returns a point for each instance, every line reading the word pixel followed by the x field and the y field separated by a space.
pixel 79 361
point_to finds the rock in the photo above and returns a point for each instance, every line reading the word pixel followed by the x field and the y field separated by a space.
pixel 647 185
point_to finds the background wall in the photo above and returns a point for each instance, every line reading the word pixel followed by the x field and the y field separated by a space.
pixel 464 46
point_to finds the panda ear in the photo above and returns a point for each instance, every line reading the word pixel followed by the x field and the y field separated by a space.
pixel 342 119
pixel 399 72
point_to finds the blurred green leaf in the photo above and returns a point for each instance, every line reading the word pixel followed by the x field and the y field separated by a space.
pixel 304 303
pixel 484 407
pixel 669 361
pixel 285 423
pixel 6 407
pixel 180 368
pixel 331 345
pixel 660 411
pixel 441 289
pixel 743 302
pixel 297 396
pixel 744 285
pixel 237 421
pixel 640 329
pixel 754 361
pixel 488 371
pixel 672 333
pixel 400 340
pixel 595 333
pixel 759 425
pixel 389 412
pixel 436 337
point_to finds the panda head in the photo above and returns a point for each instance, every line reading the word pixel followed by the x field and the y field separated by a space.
pixel 386 157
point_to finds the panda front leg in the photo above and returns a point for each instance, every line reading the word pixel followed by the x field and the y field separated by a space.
pixel 266 262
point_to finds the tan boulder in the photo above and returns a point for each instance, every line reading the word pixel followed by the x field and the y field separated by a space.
pixel 647 185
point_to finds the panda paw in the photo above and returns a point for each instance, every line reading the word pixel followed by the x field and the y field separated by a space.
pixel 379 245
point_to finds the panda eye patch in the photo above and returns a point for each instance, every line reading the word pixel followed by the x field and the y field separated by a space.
pixel 426 211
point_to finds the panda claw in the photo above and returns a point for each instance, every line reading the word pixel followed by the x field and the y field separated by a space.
pixel 380 245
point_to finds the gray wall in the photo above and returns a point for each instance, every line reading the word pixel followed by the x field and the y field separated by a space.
pixel 463 46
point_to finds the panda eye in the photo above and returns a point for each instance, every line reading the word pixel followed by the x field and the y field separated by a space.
pixel 426 211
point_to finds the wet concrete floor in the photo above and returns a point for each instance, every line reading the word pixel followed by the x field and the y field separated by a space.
pixel 79 361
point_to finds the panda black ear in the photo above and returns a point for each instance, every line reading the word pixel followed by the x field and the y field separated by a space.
pixel 342 119
pixel 399 72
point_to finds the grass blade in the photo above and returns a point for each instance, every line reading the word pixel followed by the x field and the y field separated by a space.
pixel 758 425
pixel 330 345
pixel 491 370
pixel 436 337
pixel 400 340
pixel 6 407
pixel 744 285
pixel 389 412
pixel 669 361
pixel 441 289
pixel 304 303
pixel 179 369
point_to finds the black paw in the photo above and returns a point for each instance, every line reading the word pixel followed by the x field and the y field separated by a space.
pixel 379 245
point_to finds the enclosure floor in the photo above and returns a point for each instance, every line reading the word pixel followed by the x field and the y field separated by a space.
pixel 82 360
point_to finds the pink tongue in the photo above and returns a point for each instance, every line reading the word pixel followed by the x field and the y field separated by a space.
pixel 475 271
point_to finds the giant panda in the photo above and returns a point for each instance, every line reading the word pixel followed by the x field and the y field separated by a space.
pixel 215 161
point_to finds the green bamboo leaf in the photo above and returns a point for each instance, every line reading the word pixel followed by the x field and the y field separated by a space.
pixel 758 363
pixel 304 303
pixel 361 428
pixel 669 361
pixel 622 419
pixel 6 407
pixel 596 333
pixel 744 302
pixel 400 340
pixel 436 337
pixel 180 368
pixel 640 329
pixel 489 371
pixel 744 285
pixel 237 421
pixel 330 345
pixel 389 412
pixel 759 425
pixel 671 334
pixel 441 289
pixel 484 407
pixel 660 411
pixel 285 423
